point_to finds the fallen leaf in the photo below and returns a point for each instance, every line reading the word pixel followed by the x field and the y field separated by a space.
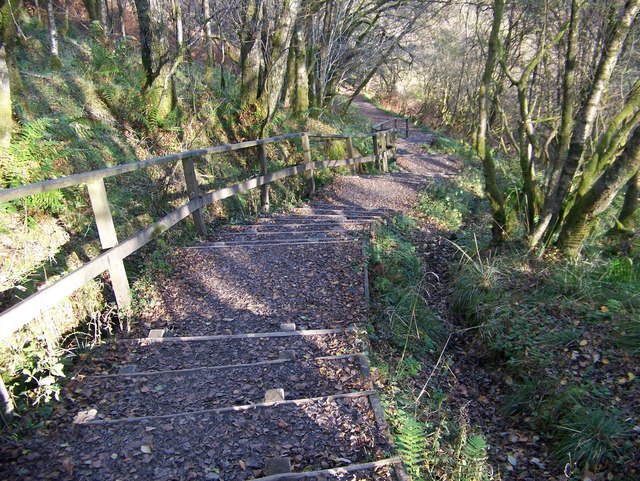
pixel 512 461
pixel 145 448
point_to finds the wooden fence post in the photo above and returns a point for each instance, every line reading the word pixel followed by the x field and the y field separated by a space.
pixel 351 154
pixel 385 152
pixel 376 149
pixel 264 189
pixel 306 151
pixel 393 142
pixel 406 128
pixel 108 239
pixel 193 191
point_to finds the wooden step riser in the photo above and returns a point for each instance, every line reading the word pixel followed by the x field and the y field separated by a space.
pixel 374 471
pixel 165 393
pixel 202 351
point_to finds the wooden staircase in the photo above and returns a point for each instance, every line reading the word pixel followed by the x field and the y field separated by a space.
pixel 254 367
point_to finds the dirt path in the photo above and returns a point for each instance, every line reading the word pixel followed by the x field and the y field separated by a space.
pixel 249 364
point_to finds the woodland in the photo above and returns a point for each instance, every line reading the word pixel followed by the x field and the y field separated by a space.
pixel 538 287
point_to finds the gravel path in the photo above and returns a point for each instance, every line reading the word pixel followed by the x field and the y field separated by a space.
pixel 275 309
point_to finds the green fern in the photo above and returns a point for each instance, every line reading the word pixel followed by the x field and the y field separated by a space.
pixel 412 446
pixel 32 158
pixel 474 458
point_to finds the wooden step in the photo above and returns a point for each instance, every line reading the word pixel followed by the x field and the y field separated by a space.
pixel 173 353
pixel 231 444
pixel 317 233
pixel 273 242
pixel 389 469
pixel 154 393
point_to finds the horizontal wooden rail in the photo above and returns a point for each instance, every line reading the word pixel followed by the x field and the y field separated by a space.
pixel 393 124
pixel 22 313
pixel 338 136
pixel 14 193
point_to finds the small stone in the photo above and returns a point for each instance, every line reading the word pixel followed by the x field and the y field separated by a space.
pixel 288 326
pixel 277 466
pixel 289 355
pixel 274 395
pixel 156 333
pixel 85 416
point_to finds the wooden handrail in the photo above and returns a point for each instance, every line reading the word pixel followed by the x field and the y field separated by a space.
pixel 111 259
pixel 22 313
pixel 15 193
pixel 381 126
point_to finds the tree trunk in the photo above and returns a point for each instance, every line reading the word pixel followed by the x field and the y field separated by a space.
pixel 491 179
pixel 301 90
pixel 627 217
pixel 177 18
pixel 276 67
pixel 121 6
pixel 6 119
pixel 103 13
pixel 154 47
pixel 9 9
pixel 208 40
pixel 250 52
pixel 577 222
pixel 94 10
pixel 64 28
pixel 551 217
pixel 53 37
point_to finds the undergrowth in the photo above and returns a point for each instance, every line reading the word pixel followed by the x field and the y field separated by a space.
pixel 566 333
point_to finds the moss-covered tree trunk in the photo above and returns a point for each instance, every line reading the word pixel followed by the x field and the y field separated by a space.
pixel 492 187
pixel 627 217
pixel 577 222
pixel 250 52
pixel 10 81
pixel 95 10
pixel 208 40
pixel 551 216
pixel 6 120
pixel 284 16
pixel 8 36
pixel 53 37
pixel 153 16
pixel 300 97
pixel 123 29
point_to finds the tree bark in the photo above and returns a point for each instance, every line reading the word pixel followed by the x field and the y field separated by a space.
pixel 494 192
pixel 250 51
pixel 121 6
pixel 177 18
pixel 280 39
pixel 301 90
pixel 95 10
pixel 6 118
pixel 53 37
pixel 627 217
pixel 576 225
pixel 208 40
pixel 156 56
pixel 9 11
